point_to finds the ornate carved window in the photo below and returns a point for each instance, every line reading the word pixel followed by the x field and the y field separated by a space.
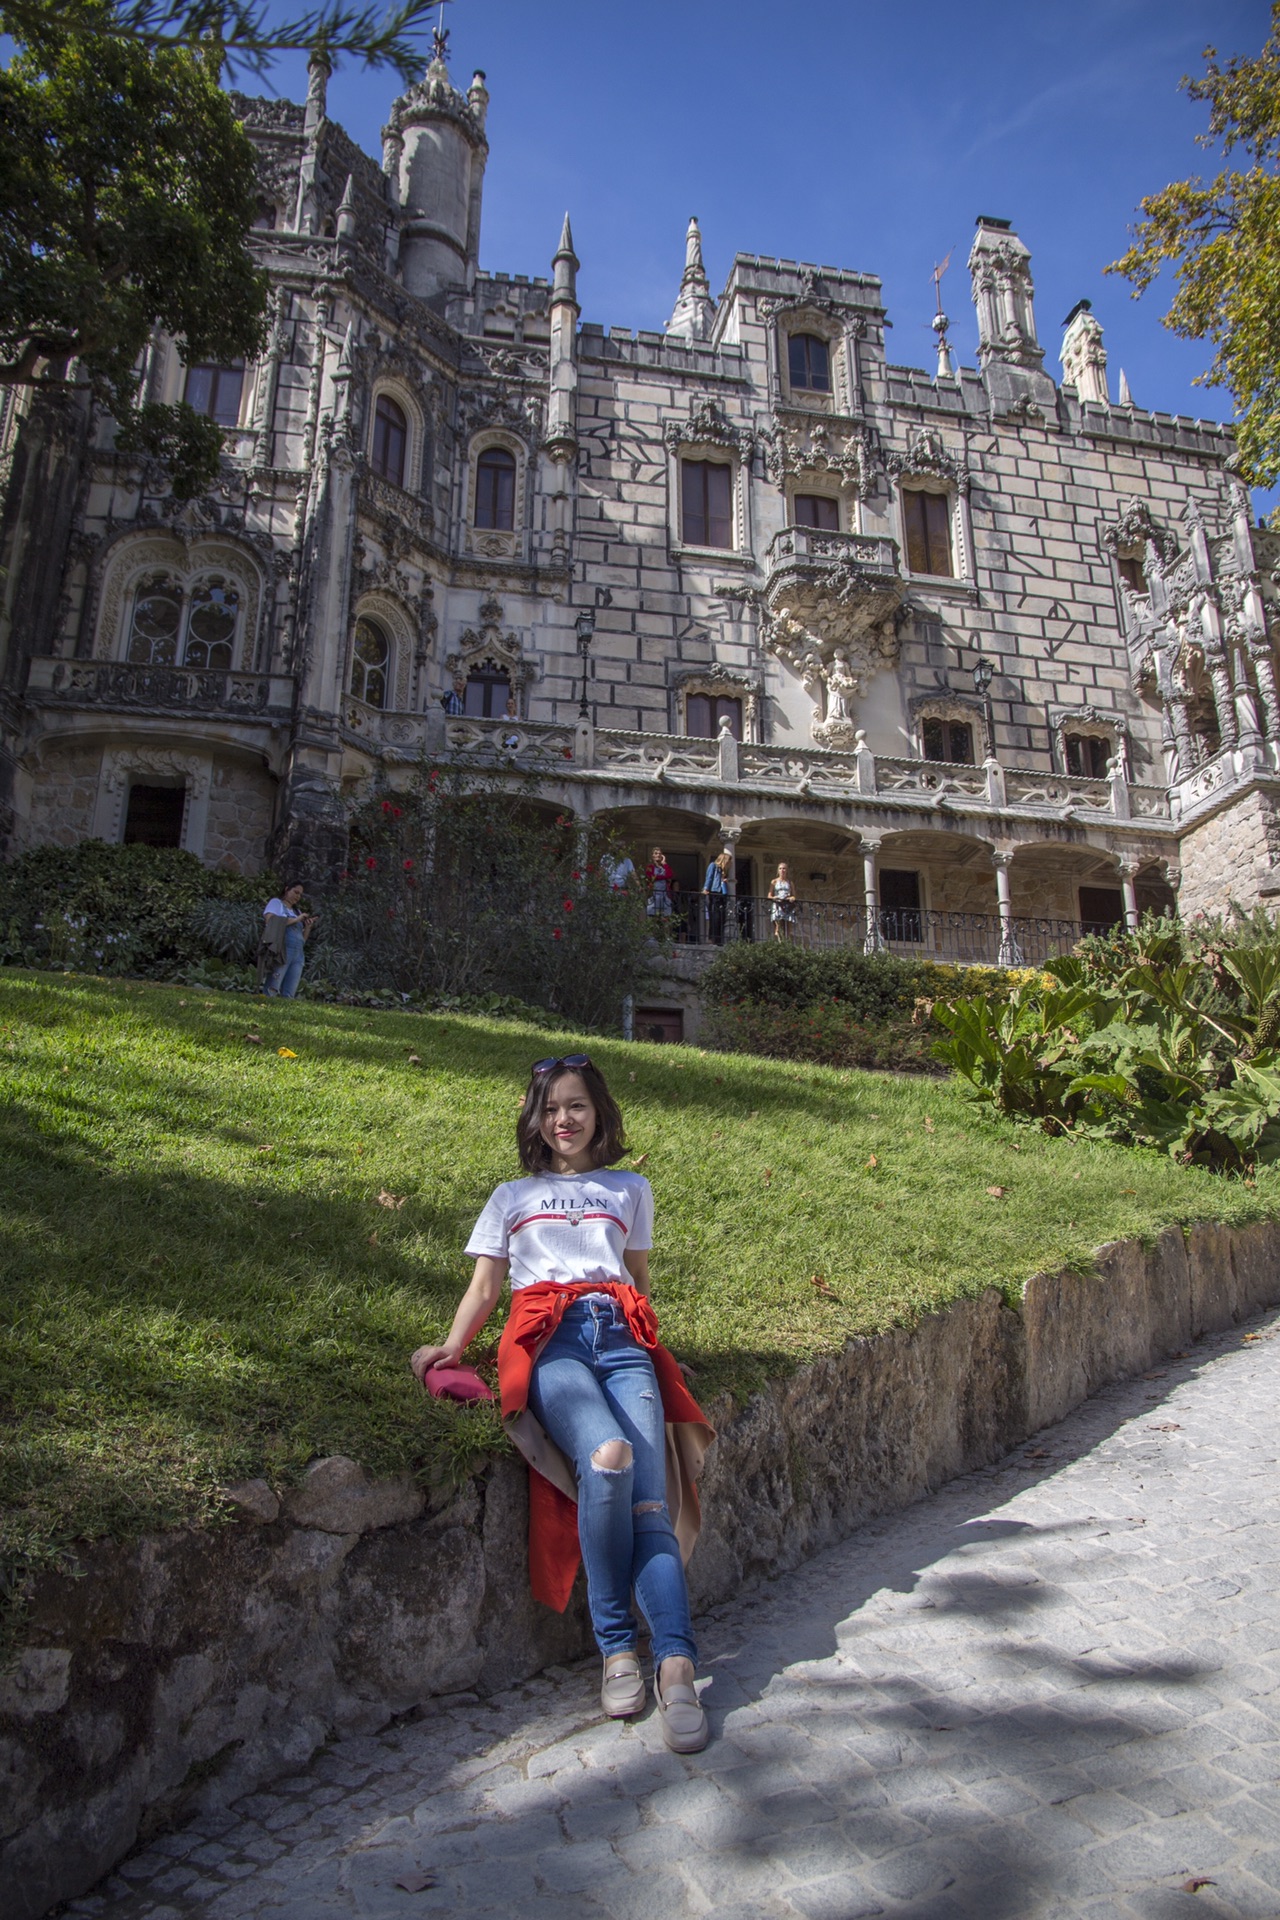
pixel 926 526
pixel 216 391
pixel 949 740
pixel 816 510
pixel 370 663
pixel 703 713
pixel 170 628
pixel 390 440
pixel 496 490
pixel 706 503
pixel 808 363
pixel 1131 570
pixel 1087 754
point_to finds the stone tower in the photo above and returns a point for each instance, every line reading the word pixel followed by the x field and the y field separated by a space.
pixel 434 153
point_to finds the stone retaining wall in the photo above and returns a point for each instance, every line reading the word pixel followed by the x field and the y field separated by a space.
pixel 190 1668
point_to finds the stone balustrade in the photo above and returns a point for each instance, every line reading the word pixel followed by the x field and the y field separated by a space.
pixel 111 683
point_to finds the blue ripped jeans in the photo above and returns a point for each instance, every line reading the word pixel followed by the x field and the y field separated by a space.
pixel 284 981
pixel 593 1384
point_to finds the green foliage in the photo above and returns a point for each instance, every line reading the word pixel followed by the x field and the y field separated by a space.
pixel 203 1281
pixel 1164 1038
pixel 456 888
pixel 824 1031
pixel 95 908
pixel 127 188
pixel 242 32
pixel 1222 241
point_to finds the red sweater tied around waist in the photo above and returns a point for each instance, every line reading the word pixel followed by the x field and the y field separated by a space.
pixel 554 1553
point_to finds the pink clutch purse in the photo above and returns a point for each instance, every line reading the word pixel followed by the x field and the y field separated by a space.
pixel 456 1383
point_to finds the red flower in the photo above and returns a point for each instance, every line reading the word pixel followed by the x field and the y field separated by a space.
pixel 371 863
pixel 562 819
pixel 408 866
pixel 568 906
pixel 344 876
pixel 575 875
pixel 386 806
pixel 391 913
pixel 395 813
pixel 567 752
pixel 434 774
pixel 556 934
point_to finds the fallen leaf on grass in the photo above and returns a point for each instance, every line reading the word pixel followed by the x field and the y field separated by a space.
pixel 823 1286
pixel 872 1162
pixel 1130 1191
pixel 392 1200
pixel 259 1203
pixel 415 1060
pixel 1197 1880
pixel 997 1193
pixel 266 1149
pixel 254 1039
pixel 928 1124
pixel 640 1159
pixel 208 1005
pixel 415 1882
pixel 373 1238
pixel 286 1053
pixel 767 1175
pixel 298 1235
pixel 631 1076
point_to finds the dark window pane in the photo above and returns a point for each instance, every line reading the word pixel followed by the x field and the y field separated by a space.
pixel 487 694
pixel 697 716
pixel 1132 572
pixel 369 658
pixel 706 497
pixel 1101 908
pixel 900 916
pixel 926 519
pixel 215 392
pixel 390 439
pixel 211 625
pixel 496 489
pixel 816 510
pixel 809 363
pixel 1088 755
pixel 960 743
pixel 157 614
pixel 933 739
pixel 154 818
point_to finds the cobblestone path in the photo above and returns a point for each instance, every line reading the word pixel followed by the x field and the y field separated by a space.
pixel 1051 1689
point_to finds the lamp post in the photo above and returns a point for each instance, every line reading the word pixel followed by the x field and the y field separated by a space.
pixel 584 627
pixel 983 673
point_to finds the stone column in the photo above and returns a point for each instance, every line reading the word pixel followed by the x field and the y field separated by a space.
pixel 874 941
pixel 1128 874
pixel 1224 704
pixel 1183 746
pixel 1265 674
pixel 1010 954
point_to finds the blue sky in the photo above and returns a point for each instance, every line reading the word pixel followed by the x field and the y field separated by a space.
pixel 847 132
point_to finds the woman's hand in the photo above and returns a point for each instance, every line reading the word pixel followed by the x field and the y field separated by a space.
pixel 424 1358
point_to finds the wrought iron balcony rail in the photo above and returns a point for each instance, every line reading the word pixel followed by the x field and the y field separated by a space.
pixel 962 939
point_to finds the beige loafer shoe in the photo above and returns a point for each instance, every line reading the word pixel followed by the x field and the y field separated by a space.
pixel 622 1688
pixel 684 1724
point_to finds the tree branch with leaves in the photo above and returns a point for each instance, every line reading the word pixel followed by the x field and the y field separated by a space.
pixel 1222 241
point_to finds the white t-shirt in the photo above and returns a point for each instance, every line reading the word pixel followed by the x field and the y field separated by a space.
pixel 619 872
pixel 280 910
pixel 566 1226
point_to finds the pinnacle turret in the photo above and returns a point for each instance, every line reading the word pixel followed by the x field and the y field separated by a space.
pixel 695 311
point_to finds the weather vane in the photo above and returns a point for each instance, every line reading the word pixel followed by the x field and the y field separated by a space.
pixel 941 323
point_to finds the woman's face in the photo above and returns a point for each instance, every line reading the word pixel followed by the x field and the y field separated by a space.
pixel 292 895
pixel 782 869
pixel 659 858
pixel 569 1122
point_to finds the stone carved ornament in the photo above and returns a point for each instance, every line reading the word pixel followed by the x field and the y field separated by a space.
pixel 818 445
pixel 1138 527
pixel 708 425
pixel 487 645
pixel 835 627
pixel 928 453
pixel 499 407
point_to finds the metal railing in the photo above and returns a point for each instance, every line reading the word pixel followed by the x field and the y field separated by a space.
pixel 963 939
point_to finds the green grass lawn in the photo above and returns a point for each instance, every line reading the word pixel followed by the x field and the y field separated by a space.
pixel 200 1282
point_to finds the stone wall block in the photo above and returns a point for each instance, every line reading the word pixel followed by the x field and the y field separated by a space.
pixel 516 1636
pixel 409 1613
pixel 338 1496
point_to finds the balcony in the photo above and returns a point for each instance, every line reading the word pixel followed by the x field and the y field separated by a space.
pixel 829 604
pixel 182 690
pixel 961 939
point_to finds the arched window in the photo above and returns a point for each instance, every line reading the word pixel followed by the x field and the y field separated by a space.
pixel 488 690
pixel 211 624
pixel 369 660
pixel 809 363
pixel 157 619
pixel 390 439
pixel 496 490
pixel 216 391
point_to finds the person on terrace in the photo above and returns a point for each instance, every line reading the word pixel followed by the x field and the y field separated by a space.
pixel 588 1395
pixel 783 911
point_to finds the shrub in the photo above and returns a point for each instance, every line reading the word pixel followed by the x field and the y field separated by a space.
pixel 875 986
pixel 1167 1037
pixel 827 1033
pixel 96 908
pixel 458 888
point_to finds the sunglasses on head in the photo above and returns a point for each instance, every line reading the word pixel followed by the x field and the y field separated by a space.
pixel 571 1060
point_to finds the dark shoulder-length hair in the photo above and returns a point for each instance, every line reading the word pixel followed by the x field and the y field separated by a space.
pixel 608 1143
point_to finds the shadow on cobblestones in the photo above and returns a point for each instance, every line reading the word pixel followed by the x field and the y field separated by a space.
pixel 1049 1690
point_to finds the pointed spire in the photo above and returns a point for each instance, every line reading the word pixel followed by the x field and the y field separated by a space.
pixel 695 310
pixel 564 267
pixel 347 210
pixel 1126 398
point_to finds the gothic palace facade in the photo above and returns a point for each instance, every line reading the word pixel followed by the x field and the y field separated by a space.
pixel 982 656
